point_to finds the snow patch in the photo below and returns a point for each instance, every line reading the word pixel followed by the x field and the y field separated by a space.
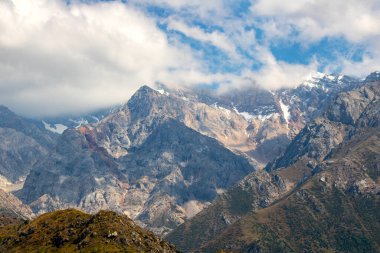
pixel 163 92
pixel 249 116
pixel 79 122
pixel 193 207
pixel 96 118
pixel 57 128
pixel 246 115
pixel 285 111
pixel 224 110
pixel 99 180
pixel 315 75
pixel 8 186
pixel 220 191
pixel 62 179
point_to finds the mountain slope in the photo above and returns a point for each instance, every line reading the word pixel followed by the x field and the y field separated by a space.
pixel 311 150
pixel 173 174
pixel 74 231
pixel 336 209
pixel 349 111
pixel 11 205
pixel 22 143
pixel 272 118
pixel 156 158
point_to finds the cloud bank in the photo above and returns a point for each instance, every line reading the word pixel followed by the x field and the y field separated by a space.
pixel 58 58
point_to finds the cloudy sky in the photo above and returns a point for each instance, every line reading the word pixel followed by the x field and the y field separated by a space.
pixel 60 57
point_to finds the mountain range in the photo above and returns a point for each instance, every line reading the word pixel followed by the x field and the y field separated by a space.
pixel 321 194
pixel 238 171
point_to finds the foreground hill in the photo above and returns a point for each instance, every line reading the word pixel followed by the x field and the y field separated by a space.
pixel 322 194
pixel 73 231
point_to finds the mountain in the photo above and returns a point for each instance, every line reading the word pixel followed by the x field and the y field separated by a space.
pixel 23 142
pixel 327 180
pixel 74 231
pixel 173 174
pixel 167 153
pixel 271 118
pixel 335 209
pixel 60 123
pixel 251 121
pixel 349 111
pixel 12 207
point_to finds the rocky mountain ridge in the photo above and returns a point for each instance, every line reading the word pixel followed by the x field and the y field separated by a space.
pixel 166 154
pixel 270 119
pixel 165 180
pixel 341 153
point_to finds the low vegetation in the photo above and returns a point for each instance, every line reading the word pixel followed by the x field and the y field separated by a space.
pixel 75 231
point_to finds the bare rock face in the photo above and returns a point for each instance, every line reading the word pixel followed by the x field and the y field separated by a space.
pixel 12 206
pixel 18 153
pixel 272 118
pixel 162 182
pixel 70 173
pixel 148 108
pixel 348 107
pixel 22 143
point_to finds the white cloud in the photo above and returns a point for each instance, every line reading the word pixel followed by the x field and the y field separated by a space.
pixel 215 38
pixel 277 74
pixel 206 10
pixel 309 21
pixel 56 58
pixel 356 20
pixel 360 69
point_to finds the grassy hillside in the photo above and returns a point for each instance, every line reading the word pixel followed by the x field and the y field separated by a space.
pixel 75 231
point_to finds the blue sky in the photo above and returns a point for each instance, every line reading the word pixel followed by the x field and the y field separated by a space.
pixel 97 53
pixel 325 49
